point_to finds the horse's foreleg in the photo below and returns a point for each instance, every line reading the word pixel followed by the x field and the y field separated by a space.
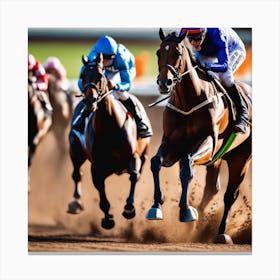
pixel 98 178
pixel 78 157
pixel 43 130
pixel 155 212
pixel 213 184
pixel 187 213
pixel 134 171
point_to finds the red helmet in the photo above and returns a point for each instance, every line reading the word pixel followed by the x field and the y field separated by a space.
pixel 193 31
pixel 31 61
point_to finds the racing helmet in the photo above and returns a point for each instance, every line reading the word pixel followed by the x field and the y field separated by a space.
pixel 52 63
pixel 107 46
pixel 31 62
pixel 194 33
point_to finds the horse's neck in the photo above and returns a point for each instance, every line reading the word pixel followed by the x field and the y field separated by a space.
pixel 189 90
pixel 110 110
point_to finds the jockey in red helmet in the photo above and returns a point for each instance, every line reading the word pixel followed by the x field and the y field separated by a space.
pixel 221 51
pixel 37 76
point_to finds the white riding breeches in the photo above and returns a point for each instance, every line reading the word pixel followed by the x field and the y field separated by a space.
pixel 236 58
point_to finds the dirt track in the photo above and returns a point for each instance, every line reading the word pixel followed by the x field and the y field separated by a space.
pixel 52 229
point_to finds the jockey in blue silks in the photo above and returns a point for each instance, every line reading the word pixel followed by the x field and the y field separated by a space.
pixel 221 51
pixel 119 66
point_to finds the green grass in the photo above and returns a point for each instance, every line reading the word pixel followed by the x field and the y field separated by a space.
pixel 70 54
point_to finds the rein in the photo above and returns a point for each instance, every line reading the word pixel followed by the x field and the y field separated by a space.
pixel 100 96
pixel 103 96
pixel 177 79
pixel 177 75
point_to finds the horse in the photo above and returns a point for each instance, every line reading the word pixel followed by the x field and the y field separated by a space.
pixel 39 123
pixel 197 130
pixel 62 103
pixel 110 144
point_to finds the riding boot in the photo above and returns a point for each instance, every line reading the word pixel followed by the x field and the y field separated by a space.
pixel 130 106
pixel 242 115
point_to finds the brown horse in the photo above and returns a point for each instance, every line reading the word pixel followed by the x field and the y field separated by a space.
pixel 39 122
pixel 62 103
pixel 110 144
pixel 197 130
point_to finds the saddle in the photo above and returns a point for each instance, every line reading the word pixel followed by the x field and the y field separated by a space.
pixel 228 102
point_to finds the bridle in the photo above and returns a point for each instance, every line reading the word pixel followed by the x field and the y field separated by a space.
pixel 177 76
pixel 101 90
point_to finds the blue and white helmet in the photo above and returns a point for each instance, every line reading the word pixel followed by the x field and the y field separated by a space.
pixel 106 45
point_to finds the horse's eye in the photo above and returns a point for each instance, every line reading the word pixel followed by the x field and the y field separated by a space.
pixel 157 53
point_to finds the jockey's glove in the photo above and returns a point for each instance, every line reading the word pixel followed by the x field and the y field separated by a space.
pixel 207 66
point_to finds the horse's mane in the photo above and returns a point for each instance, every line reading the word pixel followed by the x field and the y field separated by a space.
pixel 187 44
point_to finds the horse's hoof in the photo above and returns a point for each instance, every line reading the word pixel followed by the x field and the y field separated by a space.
pixel 107 223
pixel 75 207
pixel 188 214
pixel 154 214
pixel 223 239
pixel 129 212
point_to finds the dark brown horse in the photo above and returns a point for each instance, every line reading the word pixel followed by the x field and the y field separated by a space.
pixel 110 144
pixel 197 130
pixel 39 122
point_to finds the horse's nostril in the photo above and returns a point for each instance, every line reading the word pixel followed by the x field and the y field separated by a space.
pixel 169 82
pixel 158 82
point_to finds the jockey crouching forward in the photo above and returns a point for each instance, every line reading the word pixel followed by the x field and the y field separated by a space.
pixel 221 51
pixel 119 65
pixel 37 76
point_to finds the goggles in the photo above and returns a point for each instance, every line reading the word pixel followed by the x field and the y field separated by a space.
pixel 108 56
pixel 196 38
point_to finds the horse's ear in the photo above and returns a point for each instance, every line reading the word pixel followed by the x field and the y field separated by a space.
pixel 99 57
pixel 182 36
pixel 84 59
pixel 162 35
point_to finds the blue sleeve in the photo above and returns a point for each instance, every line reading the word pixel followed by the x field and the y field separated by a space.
pixel 125 83
pixel 222 55
pixel 124 62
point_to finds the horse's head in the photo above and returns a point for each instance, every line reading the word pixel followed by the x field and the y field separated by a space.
pixel 93 80
pixel 169 61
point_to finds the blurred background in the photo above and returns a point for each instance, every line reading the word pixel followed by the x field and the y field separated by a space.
pixel 69 44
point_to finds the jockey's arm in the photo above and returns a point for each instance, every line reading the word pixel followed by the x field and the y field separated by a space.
pixel 42 78
pixel 222 64
pixel 126 80
pixel 42 83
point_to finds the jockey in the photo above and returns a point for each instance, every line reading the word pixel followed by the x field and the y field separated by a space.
pixel 120 70
pixel 54 67
pixel 37 76
pixel 220 50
